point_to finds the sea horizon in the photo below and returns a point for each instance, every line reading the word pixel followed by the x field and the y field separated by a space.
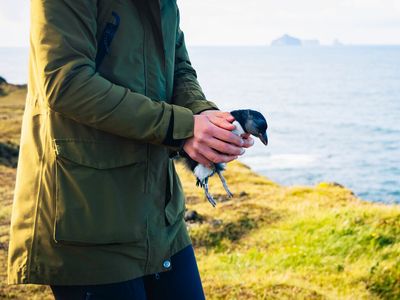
pixel 24 53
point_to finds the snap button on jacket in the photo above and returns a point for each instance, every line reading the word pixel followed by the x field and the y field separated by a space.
pixel 97 197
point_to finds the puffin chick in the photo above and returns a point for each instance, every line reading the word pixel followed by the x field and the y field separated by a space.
pixel 246 121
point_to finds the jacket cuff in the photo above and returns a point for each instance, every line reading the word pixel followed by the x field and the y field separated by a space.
pixel 211 108
pixel 180 128
pixel 201 105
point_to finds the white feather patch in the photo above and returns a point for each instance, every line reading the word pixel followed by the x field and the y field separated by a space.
pixel 239 129
pixel 202 172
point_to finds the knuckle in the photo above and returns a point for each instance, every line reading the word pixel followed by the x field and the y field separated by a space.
pixel 201 137
pixel 209 129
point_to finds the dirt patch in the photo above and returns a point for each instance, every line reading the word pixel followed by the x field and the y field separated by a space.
pixel 9 154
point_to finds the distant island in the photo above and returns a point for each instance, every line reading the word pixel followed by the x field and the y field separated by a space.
pixel 286 40
pixel 291 41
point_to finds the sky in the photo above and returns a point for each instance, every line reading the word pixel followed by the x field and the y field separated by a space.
pixel 255 22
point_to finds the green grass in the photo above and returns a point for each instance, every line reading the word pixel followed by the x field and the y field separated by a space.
pixel 269 241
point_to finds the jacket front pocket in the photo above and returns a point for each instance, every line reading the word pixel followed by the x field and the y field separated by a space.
pixel 100 192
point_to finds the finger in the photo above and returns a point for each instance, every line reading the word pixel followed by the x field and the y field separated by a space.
pixel 214 156
pixel 227 115
pixel 227 136
pixel 203 160
pixel 248 142
pixel 222 114
pixel 223 123
pixel 223 147
pixel 245 135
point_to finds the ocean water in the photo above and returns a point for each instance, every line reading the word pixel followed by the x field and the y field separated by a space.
pixel 333 112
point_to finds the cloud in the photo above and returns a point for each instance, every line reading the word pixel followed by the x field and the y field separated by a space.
pixel 259 21
pixel 256 22
pixel 14 11
pixel 396 6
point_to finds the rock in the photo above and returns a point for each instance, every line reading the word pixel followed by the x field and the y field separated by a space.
pixel 192 216
pixel 337 184
pixel 2 81
pixel 243 194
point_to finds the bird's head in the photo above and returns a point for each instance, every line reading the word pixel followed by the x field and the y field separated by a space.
pixel 252 122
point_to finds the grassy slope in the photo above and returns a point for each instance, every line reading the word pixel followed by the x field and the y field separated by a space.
pixel 296 242
pixel 268 242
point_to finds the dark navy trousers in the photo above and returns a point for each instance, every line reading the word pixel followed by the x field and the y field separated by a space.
pixel 181 282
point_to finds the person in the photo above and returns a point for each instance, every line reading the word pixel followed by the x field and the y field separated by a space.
pixel 98 206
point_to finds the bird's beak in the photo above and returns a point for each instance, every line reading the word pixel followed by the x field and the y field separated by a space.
pixel 263 138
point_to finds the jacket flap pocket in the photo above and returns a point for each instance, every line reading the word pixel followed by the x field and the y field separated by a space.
pixel 100 192
pixel 98 154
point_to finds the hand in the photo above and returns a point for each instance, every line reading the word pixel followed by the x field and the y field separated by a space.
pixel 248 140
pixel 213 140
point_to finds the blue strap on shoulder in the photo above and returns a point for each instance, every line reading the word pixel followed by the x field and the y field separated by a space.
pixel 106 38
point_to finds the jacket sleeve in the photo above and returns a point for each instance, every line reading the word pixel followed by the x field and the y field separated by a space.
pixel 187 91
pixel 63 34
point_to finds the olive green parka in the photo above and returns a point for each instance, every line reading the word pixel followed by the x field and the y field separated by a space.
pixel 111 95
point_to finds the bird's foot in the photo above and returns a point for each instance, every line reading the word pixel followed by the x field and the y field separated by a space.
pixel 208 195
pixel 226 188
pixel 230 195
pixel 211 199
